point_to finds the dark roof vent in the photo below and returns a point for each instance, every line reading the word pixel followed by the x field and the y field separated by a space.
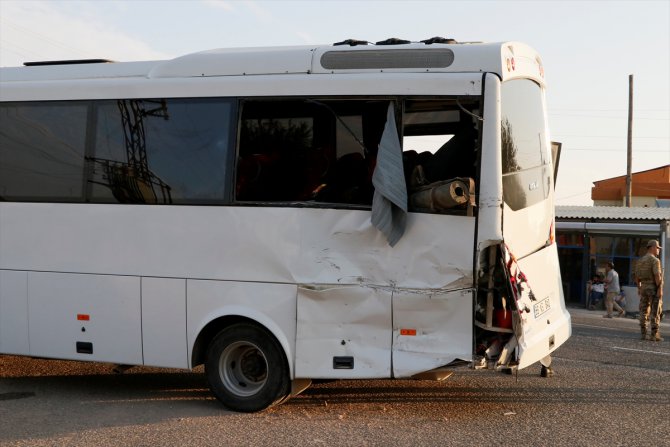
pixel 389 58
pixel 351 42
pixel 68 62
pixel 433 40
pixel 393 41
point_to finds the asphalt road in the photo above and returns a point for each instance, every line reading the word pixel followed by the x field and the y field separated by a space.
pixel 609 389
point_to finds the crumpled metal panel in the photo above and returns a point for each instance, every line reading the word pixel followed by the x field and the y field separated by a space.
pixel 430 330
pixel 349 250
pixel 543 322
pixel 264 244
pixel 347 322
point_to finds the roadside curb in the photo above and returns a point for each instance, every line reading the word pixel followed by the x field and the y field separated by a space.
pixel 582 313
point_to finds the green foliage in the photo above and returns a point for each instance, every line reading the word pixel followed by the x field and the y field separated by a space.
pixel 266 135
pixel 509 148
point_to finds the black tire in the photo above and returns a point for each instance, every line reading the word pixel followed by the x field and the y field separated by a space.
pixel 246 368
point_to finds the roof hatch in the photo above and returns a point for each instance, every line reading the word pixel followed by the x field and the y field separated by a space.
pixel 387 59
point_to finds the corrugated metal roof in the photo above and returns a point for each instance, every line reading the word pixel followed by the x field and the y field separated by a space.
pixel 612 213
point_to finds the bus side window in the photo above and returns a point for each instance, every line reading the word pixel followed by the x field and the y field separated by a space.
pixel 311 151
pixel 276 139
pixel 456 157
pixel 349 181
pixel 159 151
pixel 358 128
pixel 440 155
pixel 42 151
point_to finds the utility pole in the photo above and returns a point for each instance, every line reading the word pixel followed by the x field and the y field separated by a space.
pixel 629 167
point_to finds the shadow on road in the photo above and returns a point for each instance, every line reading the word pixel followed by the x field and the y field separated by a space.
pixel 398 392
pixel 47 406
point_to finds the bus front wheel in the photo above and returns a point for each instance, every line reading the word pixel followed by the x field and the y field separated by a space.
pixel 246 368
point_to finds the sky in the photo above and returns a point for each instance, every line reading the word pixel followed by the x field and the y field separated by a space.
pixel 589 49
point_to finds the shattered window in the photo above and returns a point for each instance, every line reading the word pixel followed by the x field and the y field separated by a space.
pixel 440 141
pixel 324 151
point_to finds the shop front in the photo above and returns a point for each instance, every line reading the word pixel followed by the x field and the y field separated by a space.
pixel 589 237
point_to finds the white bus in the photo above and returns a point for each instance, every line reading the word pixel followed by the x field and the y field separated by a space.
pixel 282 214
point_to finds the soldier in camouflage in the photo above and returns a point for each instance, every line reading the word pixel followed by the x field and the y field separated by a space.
pixel 649 279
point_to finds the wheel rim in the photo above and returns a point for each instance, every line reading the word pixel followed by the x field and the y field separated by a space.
pixel 243 368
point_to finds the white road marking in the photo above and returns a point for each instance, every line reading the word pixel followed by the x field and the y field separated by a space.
pixel 592 326
pixel 641 350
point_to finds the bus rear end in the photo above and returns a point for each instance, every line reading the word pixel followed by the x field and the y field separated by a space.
pixel 520 309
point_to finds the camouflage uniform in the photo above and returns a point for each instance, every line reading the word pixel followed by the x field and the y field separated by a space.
pixel 647 267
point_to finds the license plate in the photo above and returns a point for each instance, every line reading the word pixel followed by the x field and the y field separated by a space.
pixel 541 307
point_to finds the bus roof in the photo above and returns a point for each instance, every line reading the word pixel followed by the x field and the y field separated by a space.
pixel 506 59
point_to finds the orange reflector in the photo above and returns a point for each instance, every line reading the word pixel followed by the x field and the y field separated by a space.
pixel 411 332
pixel 83 317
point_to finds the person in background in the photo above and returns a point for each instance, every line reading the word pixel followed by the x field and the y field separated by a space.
pixel 649 280
pixel 612 289
pixel 597 291
pixel 621 301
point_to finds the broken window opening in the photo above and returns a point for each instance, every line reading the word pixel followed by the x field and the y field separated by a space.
pixel 497 326
pixel 441 142
pixel 323 151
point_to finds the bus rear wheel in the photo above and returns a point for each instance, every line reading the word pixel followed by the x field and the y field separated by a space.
pixel 246 368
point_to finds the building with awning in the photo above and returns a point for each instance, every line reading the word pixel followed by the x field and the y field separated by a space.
pixel 590 236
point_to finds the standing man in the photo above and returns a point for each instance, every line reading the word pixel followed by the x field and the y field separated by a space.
pixel 613 290
pixel 649 280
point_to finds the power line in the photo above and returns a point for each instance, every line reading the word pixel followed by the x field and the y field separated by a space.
pixel 45 38
pixel 609 110
pixel 573 195
pixel 606 117
pixel 607 136
pixel 612 150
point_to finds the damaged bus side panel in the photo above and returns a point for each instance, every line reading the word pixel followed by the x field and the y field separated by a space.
pixel 378 321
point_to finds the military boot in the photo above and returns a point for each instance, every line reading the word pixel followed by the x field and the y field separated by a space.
pixel 656 337
pixel 644 335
